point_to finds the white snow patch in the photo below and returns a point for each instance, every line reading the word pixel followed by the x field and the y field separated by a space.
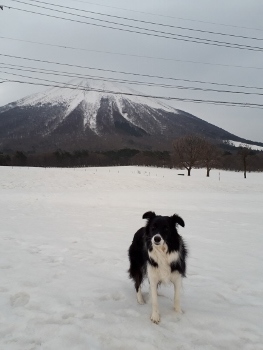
pixel 240 144
pixel 119 103
pixel 90 106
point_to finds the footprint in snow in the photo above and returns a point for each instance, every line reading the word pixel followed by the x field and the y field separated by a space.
pixel 56 260
pixel 127 312
pixel 114 296
pixel 34 250
pixel 5 267
pixel 88 315
pixel 68 315
pixel 19 299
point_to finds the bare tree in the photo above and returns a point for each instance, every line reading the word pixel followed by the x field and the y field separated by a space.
pixel 244 152
pixel 189 150
pixel 210 155
pixel 20 158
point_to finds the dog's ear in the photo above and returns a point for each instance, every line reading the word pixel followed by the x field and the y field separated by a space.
pixel 178 220
pixel 149 215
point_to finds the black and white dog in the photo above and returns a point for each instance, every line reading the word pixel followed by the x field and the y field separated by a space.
pixel 158 251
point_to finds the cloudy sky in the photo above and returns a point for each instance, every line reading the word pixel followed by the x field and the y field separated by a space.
pixel 110 49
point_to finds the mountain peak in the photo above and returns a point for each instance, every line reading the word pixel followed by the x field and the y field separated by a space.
pixel 97 114
pixel 91 91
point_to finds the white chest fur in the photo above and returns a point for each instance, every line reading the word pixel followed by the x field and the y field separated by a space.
pixel 163 259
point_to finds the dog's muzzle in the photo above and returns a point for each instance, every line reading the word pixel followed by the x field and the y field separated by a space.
pixel 157 239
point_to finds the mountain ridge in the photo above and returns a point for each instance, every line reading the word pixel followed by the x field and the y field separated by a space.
pixel 97 115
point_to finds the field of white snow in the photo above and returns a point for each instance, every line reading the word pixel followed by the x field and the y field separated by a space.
pixel 63 259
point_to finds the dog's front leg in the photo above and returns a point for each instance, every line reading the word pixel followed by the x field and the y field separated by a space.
pixel 153 279
pixel 177 282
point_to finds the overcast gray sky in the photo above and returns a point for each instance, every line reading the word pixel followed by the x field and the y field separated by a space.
pixel 170 58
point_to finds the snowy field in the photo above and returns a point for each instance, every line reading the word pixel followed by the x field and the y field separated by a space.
pixel 63 259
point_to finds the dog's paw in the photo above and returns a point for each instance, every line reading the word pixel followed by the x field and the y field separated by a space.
pixel 140 299
pixel 155 318
pixel 178 310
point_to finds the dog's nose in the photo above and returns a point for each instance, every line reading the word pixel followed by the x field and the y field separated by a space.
pixel 157 239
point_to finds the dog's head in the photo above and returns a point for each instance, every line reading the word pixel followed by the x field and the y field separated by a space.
pixel 161 231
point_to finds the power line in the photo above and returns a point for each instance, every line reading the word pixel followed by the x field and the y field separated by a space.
pixel 131 55
pixel 202 40
pixel 173 17
pixel 166 35
pixel 126 73
pixel 76 87
pixel 77 75
pixel 122 81
pixel 143 21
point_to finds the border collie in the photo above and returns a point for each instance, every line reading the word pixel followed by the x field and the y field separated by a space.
pixel 158 251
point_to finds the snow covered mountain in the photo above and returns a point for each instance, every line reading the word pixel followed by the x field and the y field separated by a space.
pixel 96 115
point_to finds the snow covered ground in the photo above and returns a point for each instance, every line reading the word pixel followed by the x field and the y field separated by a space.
pixel 240 144
pixel 63 259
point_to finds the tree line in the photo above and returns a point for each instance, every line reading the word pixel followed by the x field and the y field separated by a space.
pixel 190 151
pixel 196 151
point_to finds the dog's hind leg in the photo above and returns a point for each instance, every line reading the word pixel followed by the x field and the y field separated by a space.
pixel 140 297
pixel 138 282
